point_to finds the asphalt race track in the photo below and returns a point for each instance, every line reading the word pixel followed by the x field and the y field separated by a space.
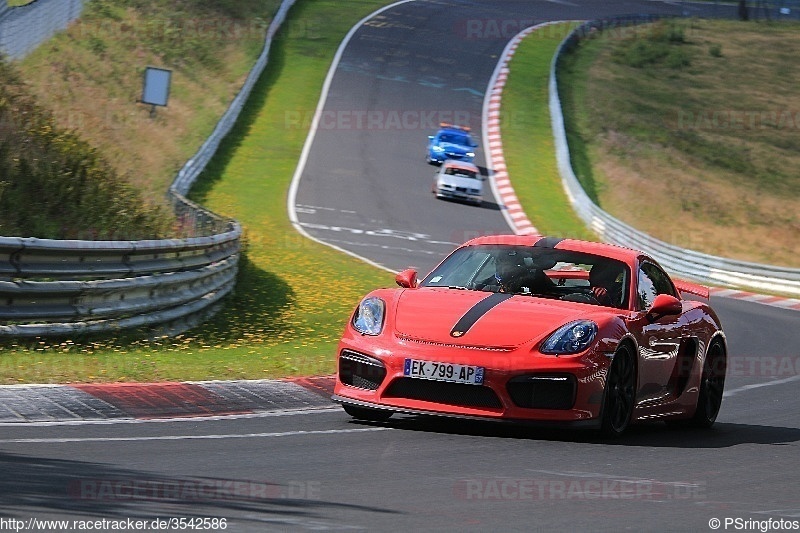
pixel 365 187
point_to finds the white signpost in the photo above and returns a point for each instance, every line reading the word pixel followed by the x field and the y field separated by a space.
pixel 156 88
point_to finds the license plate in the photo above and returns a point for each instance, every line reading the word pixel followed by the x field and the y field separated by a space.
pixel 471 375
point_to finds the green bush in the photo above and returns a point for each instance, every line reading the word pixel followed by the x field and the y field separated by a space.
pixel 678 58
pixel 643 53
pixel 662 44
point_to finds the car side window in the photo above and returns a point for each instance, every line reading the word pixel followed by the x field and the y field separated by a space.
pixel 652 282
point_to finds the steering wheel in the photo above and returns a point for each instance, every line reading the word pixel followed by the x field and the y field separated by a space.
pixel 586 298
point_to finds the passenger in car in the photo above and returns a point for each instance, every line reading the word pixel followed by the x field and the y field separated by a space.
pixel 606 284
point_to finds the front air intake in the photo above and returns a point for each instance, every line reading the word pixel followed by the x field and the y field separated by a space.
pixel 358 370
pixel 543 391
pixel 459 394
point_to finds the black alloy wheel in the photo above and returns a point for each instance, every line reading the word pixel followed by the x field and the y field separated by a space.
pixel 620 393
pixel 712 385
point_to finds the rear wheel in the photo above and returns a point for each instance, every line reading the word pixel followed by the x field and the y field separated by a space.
pixel 365 413
pixel 620 393
pixel 712 384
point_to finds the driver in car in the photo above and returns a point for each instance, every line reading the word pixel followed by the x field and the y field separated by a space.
pixel 515 274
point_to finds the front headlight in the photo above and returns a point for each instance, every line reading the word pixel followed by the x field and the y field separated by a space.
pixel 470 154
pixel 570 338
pixel 438 149
pixel 368 319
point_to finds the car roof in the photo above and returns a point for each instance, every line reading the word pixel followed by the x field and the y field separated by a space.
pixel 452 128
pixel 612 251
pixel 463 165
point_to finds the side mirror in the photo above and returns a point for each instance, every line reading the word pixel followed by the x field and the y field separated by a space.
pixel 430 137
pixel 664 305
pixel 407 278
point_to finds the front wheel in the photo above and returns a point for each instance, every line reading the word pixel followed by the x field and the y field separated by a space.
pixel 712 384
pixel 620 393
pixel 365 413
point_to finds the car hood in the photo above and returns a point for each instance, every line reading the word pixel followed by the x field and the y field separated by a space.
pixel 432 314
pixel 453 147
pixel 461 181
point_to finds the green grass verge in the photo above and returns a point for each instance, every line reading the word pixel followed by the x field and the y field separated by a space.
pixel 293 296
pixel 528 139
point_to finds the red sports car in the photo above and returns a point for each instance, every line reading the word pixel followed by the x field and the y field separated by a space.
pixel 539 329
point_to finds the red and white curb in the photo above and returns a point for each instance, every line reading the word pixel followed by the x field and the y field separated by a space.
pixel 765 299
pixel 492 140
pixel 99 402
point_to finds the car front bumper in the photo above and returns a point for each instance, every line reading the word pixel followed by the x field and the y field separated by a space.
pixel 441 157
pixel 547 389
pixel 459 195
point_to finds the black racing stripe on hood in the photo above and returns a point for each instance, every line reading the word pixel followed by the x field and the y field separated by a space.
pixel 547 242
pixel 478 310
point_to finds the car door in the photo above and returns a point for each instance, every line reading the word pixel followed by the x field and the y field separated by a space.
pixel 663 351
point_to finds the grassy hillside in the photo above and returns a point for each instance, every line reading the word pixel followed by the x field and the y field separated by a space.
pixel 90 78
pixel 55 185
pixel 688 130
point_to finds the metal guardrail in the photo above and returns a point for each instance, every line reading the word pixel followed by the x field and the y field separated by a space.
pixel 685 263
pixel 66 287
pixel 196 164
pixel 23 28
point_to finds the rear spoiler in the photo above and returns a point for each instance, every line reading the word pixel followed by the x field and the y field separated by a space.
pixel 692 288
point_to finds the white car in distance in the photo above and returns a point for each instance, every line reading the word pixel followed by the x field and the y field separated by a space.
pixel 459 180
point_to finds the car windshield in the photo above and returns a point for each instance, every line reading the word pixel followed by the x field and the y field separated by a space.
pixel 454 138
pixel 451 171
pixel 535 271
